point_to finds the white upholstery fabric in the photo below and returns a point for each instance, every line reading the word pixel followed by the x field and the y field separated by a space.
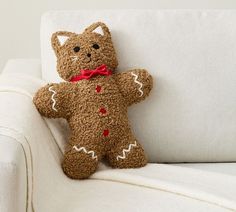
pixel 13 178
pixel 14 189
pixel 30 67
pixel 190 115
pixel 221 168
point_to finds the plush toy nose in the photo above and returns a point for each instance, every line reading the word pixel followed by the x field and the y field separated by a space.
pixel 89 55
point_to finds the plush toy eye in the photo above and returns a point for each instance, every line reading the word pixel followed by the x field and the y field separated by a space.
pixel 76 49
pixel 96 46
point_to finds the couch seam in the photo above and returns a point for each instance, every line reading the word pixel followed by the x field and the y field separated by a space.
pixel 26 164
pixel 31 158
pixel 168 191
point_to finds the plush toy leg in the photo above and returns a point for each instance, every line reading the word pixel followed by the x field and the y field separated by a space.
pixel 80 161
pixel 128 153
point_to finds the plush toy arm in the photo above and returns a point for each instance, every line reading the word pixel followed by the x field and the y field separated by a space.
pixel 51 100
pixel 135 85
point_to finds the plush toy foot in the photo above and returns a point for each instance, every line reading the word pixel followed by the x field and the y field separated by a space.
pixel 127 155
pixel 79 162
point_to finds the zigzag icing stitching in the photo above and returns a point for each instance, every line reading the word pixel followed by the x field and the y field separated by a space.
pixel 92 153
pixel 139 83
pixel 124 151
pixel 52 98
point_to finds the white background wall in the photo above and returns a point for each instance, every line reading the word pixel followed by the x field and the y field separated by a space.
pixel 20 19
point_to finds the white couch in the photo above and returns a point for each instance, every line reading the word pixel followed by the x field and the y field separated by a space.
pixel 190 117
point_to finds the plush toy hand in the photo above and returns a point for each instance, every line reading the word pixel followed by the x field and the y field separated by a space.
pixel 135 85
pixel 51 100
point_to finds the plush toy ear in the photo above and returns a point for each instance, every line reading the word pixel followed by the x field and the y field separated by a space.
pixel 59 38
pixel 99 28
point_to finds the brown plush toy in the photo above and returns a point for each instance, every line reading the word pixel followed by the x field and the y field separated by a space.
pixel 94 101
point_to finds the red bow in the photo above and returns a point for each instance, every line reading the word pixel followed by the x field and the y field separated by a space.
pixel 87 74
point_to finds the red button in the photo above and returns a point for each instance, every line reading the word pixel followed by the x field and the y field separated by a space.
pixel 102 110
pixel 98 88
pixel 106 133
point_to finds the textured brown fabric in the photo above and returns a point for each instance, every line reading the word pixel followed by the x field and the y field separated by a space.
pixel 96 109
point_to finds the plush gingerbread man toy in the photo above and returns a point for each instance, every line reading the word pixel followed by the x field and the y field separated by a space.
pixel 94 100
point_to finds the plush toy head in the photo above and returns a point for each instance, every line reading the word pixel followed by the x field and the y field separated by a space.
pixel 88 50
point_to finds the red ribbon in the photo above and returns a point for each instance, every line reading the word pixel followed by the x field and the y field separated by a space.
pixel 87 74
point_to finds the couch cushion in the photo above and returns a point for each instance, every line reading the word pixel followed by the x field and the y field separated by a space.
pixel 221 168
pixel 190 115
pixel 155 187
pixel 100 196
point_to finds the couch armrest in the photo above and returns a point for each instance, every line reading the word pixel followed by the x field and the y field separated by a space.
pixel 31 67
pixel 13 177
pixel 22 133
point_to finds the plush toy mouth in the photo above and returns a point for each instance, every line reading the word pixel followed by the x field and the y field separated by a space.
pixel 88 61
pixel 76 58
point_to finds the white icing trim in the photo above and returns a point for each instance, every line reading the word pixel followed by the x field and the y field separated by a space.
pixel 124 151
pixel 139 83
pixel 92 153
pixel 52 98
